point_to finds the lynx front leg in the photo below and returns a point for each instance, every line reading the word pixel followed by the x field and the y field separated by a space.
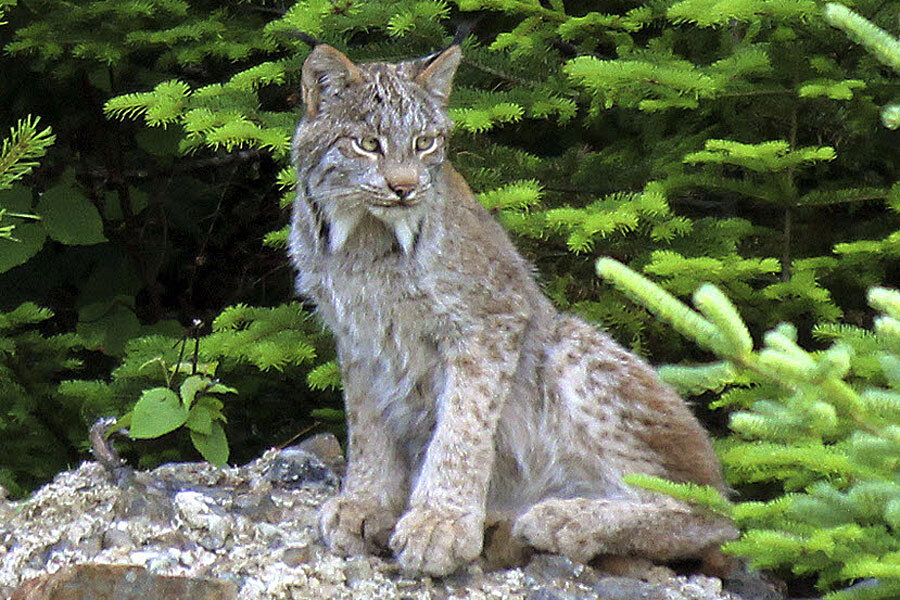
pixel 660 529
pixel 444 525
pixel 373 493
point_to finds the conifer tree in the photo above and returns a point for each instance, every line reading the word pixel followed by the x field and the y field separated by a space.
pixel 17 158
pixel 697 141
pixel 722 174
pixel 823 426
pixel 884 47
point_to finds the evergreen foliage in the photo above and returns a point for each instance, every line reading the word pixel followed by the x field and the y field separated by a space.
pixel 881 44
pixel 40 430
pixel 17 158
pixel 165 383
pixel 734 143
pixel 822 425
pixel 19 151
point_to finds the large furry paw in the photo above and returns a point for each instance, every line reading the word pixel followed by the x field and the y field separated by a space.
pixel 352 525
pixel 550 526
pixel 437 540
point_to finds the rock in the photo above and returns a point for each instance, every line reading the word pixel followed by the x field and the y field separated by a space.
pixel 200 512
pixel 250 533
pixel 117 538
pixel 544 595
pixel 295 467
pixel 296 555
pixel 327 448
pixel 635 568
pixel 553 566
pixel 753 585
pixel 358 568
pixel 121 582
pixel 626 588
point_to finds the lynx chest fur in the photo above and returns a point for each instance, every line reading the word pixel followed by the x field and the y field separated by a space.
pixel 469 399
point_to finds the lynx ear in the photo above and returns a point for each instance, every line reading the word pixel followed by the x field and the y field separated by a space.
pixel 325 72
pixel 437 77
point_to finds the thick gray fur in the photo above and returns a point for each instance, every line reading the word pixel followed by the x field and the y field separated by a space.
pixel 470 400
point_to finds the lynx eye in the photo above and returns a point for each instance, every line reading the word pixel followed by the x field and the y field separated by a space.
pixel 424 143
pixel 366 145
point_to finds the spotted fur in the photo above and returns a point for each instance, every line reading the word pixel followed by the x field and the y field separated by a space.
pixel 470 399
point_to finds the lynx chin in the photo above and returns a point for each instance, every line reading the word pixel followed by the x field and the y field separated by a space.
pixel 472 404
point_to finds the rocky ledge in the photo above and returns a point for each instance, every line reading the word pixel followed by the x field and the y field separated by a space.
pixel 194 531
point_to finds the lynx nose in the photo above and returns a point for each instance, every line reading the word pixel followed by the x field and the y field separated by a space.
pixel 403 189
pixel 402 178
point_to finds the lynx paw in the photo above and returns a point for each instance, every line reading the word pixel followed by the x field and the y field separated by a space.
pixel 548 526
pixel 352 525
pixel 437 540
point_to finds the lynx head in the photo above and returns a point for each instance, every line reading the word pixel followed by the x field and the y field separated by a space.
pixel 372 141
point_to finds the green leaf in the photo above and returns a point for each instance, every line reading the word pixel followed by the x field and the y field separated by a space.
pixel 29 235
pixel 107 326
pixel 213 446
pixel 213 404
pixel 190 387
pixel 221 388
pixel 325 376
pixel 69 217
pixel 123 422
pixel 158 412
pixel 200 419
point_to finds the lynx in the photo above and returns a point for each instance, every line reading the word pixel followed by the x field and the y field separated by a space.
pixel 470 400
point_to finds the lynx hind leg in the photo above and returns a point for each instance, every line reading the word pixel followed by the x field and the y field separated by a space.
pixel 659 529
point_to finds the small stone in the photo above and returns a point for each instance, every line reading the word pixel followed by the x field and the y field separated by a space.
pixel 121 582
pixel 357 569
pixel 38 558
pixel 293 468
pixel 544 594
pixel 150 506
pixel 91 546
pixel 200 512
pixel 162 563
pixel 296 555
pixel 699 587
pixel 327 448
pixel 553 566
pixel 211 542
pixel 625 588
pixel 269 531
pixel 328 591
pixel 753 585
pixel 117 538
pixel 257 507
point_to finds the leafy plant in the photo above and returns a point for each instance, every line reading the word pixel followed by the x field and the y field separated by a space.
pixel 246 345
pixel 195 406
pixel 18 153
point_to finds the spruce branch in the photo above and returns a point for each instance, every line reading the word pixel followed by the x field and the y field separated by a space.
pixel 19 151
pixel 876 40
pixel 662 304
pixel 700 495
pixel 722 313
